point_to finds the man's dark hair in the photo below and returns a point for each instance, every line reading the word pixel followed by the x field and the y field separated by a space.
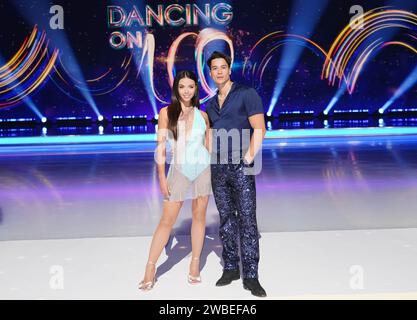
pixel 216 55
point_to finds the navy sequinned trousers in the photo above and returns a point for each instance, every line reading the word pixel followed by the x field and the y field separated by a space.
pixel 235 196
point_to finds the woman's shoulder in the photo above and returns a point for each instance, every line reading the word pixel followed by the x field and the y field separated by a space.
pixel 163 116
pixel 163 111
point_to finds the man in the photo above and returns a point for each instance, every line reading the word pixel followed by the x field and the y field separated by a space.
pixel 236 108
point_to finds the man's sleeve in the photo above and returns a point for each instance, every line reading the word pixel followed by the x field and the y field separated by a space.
pixel 253 102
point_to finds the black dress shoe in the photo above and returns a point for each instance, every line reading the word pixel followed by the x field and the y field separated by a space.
pixel 227 277
pixel 254 286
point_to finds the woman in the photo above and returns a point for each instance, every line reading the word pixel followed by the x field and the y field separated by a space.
pixel 187 129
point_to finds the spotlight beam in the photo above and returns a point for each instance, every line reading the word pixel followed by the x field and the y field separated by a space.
pixel 35 15
pixel 302 22
pixel 407 84
pixel 28 101
pixel 335 98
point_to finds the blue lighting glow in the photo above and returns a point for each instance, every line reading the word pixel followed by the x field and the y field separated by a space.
pixel 352 111
pixel 404 87
pixel 28 101
pixel 17 120
pixel 35 15
pixel 302 22
pixel 73 118
pixel 330 105
pixel 289 133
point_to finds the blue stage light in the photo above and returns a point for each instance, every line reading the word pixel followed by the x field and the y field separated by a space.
pixel 407 84
pixel 381 122
pixel 28 101
pixel 35 14
pixel 275 134
pixel 302 22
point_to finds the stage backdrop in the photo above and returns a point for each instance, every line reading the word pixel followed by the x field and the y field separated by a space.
pixel 118 58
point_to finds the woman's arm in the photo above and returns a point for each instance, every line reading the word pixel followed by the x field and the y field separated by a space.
pixel 208 138
pixel 161 142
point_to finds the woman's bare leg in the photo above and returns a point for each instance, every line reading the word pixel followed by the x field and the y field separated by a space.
pixel 198 229
pixel 161 235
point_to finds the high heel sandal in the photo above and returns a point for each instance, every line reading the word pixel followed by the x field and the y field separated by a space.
pixel 193 279
pixel 146 286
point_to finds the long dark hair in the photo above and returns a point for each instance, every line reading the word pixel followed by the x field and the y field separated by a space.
pixel 174 109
